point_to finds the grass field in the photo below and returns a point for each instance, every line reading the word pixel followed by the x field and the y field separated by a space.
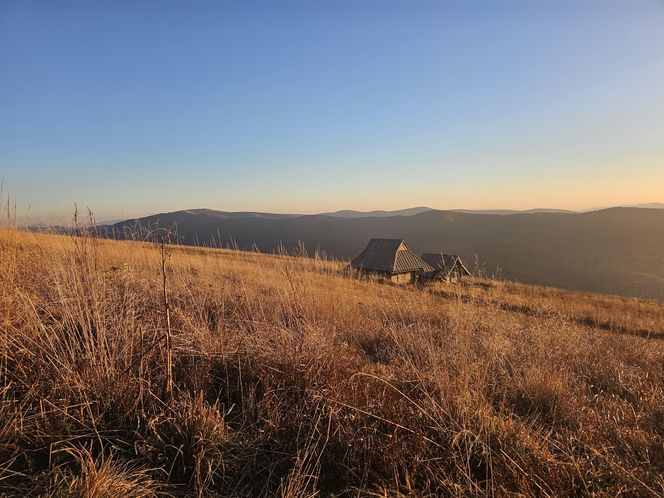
pixel 289 378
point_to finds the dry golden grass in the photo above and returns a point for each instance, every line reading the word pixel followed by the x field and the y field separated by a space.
pixel 292 379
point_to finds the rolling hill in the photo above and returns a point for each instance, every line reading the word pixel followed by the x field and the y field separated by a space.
pixel 611 251
pixel 351 213
pixel 130 372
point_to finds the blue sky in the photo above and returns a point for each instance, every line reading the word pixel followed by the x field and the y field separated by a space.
pixel 141 107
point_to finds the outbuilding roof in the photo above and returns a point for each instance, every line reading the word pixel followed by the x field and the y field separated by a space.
pixel 390 256
pixel 445 263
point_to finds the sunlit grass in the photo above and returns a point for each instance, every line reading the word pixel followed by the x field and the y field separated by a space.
pixel 291 378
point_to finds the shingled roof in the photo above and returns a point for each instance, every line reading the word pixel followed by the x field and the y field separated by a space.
pixel 389 256
pixel 444 263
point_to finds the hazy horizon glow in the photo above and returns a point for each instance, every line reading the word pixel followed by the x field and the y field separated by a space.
pixel 307 107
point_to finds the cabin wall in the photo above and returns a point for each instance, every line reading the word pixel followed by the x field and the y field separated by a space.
pixel 398 278
pixel 452 277
pixel 404 278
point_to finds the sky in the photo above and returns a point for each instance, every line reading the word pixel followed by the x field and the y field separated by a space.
pixel 132 108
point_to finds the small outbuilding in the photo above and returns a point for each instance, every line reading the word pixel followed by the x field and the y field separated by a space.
pixel 448 267
pixel 391 259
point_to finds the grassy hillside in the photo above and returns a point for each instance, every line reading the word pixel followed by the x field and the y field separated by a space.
pixel 613 251
pixel 292 379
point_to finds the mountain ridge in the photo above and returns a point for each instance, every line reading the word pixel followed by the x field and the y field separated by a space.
pixel 610 251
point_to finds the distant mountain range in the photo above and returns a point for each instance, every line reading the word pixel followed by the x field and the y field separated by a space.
pixel 649 205
pixel 612 251
pixel 349 213
pixel 511 211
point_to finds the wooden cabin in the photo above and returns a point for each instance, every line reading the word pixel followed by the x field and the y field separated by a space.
pixel 392 260
pixel 448 267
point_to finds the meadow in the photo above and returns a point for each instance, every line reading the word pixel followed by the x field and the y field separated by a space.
pixel 134 369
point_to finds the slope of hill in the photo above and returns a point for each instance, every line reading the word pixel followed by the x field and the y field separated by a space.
pixel 612 251
pixel 350 213
pixel 651 205
pixel 511 211
pixel 128 372
pixel 214 214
